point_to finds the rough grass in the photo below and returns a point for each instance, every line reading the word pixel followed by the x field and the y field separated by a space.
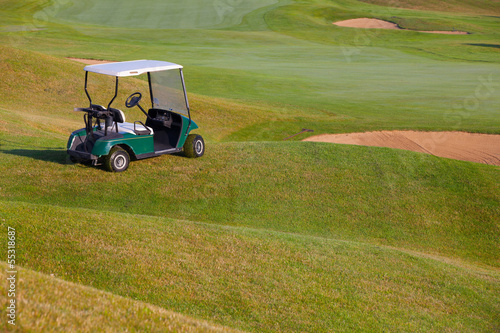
pixel 251 279
pixel 49 304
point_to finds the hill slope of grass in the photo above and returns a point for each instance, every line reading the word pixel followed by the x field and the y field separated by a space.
pixel 254 279
pixel 380 196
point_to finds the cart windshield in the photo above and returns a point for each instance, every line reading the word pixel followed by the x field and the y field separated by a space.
pixel 167 91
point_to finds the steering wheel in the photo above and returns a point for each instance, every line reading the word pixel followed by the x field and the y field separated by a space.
pixel 133 100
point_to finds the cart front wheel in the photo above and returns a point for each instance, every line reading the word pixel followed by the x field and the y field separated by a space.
pixel 194 146
pixel 117 160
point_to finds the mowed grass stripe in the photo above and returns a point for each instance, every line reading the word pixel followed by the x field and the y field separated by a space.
pixel 253 279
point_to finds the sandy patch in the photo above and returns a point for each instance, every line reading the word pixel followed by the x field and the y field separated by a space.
pixel 370 23
pixel 90 61
pixel 474 147
pixel 367 23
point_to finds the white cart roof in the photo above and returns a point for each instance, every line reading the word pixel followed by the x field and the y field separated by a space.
pixel 131 68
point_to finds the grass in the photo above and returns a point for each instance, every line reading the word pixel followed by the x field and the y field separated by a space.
pixel 277 108
pixel 47 303
pixel 151 14
pixel 341 54
pixel 313 20
pixel 325 190
pixel 260 234
pixel 254 279
pixel 403 85
pixel 483 7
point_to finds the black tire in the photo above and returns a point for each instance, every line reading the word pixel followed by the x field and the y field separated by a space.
pixel 194 146
pixel 117 160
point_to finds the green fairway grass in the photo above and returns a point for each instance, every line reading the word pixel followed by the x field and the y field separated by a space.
pixel 260 234
pixel 152 14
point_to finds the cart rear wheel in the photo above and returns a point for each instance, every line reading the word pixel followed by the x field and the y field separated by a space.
pixel 117 160
pixel 194 146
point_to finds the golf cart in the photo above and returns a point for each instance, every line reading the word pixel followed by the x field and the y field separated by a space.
pixel 109 140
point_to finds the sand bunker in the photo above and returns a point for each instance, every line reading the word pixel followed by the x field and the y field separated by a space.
pixel 367 23
pixel 474 147
pixel 370 23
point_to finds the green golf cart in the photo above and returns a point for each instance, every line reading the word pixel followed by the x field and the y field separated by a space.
pixel 108 140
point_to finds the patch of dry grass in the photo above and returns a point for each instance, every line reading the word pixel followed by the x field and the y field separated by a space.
pixel 49 304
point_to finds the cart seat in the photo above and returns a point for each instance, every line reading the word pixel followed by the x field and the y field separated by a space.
pixel 118 115
pixel 129 128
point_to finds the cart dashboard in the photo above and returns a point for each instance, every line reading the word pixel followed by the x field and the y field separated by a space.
pixel 165 118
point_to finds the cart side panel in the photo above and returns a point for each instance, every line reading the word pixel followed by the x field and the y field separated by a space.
pixel 138 144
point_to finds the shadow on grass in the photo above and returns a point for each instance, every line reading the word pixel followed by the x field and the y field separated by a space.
pixel 58 156
pixel 496 46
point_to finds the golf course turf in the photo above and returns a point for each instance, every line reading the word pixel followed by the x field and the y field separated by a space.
pixel 260 234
